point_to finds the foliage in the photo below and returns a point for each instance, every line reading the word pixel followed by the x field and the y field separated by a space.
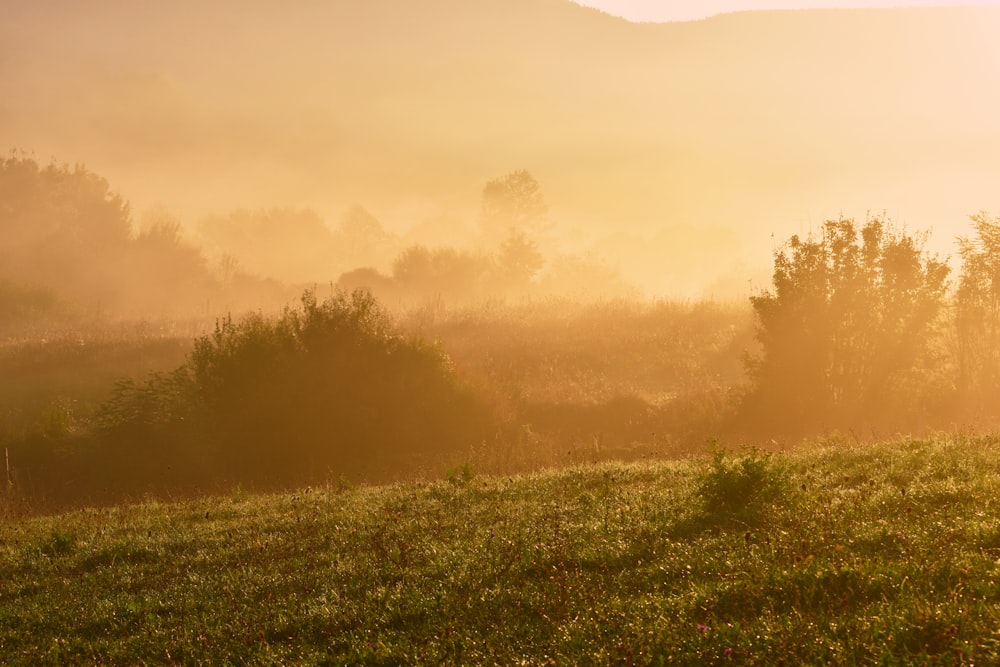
pixel 60 227
pixel 456 274
pixel 602 564
pixel 63 230
pixel 326 388
pixel 845 334
pixel 512 204
pixel 566 382
pixel 362 240
pixel 287 243
pixel 977 314
pixel 162 400
pixel 741 484
pixel 519 260
pixel 180 271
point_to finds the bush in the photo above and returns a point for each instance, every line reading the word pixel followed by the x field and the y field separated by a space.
pixel 326 389
pixel 848 333
pixel 741 484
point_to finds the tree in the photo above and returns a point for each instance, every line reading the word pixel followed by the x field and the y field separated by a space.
pixel 441 272
pixel 285 243
pixel 361 240
pixel 512 204
pixel 977 313
pixel 518 260
pixel 61 227
pixel 167 274
pixel 847 328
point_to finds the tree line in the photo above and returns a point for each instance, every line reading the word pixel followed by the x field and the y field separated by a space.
pixel 69 243
pixel 862 331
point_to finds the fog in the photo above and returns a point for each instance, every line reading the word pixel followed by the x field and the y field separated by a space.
pixel 261 245
pixel 667 153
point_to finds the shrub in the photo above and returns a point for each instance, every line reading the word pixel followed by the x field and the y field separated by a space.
pixel 742 484
pixel 846 333
pixel 326 389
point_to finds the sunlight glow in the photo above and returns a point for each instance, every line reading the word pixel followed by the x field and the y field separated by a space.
pixel 693 10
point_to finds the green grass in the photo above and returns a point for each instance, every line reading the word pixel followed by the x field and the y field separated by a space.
pixel 886 554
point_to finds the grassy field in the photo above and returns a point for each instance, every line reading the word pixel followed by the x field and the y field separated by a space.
pixel 834 554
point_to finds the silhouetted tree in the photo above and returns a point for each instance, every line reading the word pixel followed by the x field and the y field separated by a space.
pixel 61 227
pixel 361 240
pixel 445 272
pixel 285 243
pixel 518 260
pixel 174 274
pixel 512 204
pixel 845 329
pixel 977 313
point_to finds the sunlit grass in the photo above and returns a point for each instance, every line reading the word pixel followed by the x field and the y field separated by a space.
pixel 885 554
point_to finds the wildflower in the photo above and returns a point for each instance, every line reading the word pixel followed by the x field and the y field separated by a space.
pixel 702 628
pixel 729 652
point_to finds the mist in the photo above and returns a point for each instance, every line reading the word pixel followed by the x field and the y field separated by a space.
pixel 604 239
pixel 671 342
pixel 670 152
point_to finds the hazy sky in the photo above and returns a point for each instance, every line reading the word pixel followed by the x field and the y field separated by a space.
pixel 687 10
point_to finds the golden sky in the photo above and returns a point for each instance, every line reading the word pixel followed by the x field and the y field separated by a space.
pixel 689 10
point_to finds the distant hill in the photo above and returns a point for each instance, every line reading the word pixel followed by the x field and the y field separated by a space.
pixel 679 147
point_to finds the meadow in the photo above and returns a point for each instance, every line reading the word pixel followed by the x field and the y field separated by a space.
pixel 520 480
pixel 830 554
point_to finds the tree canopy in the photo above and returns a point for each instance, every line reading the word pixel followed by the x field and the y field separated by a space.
pixel 512 204
pixel 844 332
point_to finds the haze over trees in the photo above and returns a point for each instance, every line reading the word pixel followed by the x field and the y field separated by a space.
pixel 511 209
pixel 672 151
pixel 329 387
pixel 849 335
pixel 977 312
pixel 573 283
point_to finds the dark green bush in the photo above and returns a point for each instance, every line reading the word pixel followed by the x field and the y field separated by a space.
pixel 328 388
pixel 741 484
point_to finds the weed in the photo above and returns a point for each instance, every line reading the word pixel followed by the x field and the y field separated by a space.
pixel 61 542
pixel 461 475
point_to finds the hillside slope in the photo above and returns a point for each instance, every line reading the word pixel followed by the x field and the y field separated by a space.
pixel 885 554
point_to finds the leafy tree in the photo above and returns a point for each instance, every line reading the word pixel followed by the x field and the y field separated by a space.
pixel 977 313
pixel 511 205
pixel 61 227
pixel 519 260
pixel 845 332
pixel 445 272
pixel 361 227
pixel 174 273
